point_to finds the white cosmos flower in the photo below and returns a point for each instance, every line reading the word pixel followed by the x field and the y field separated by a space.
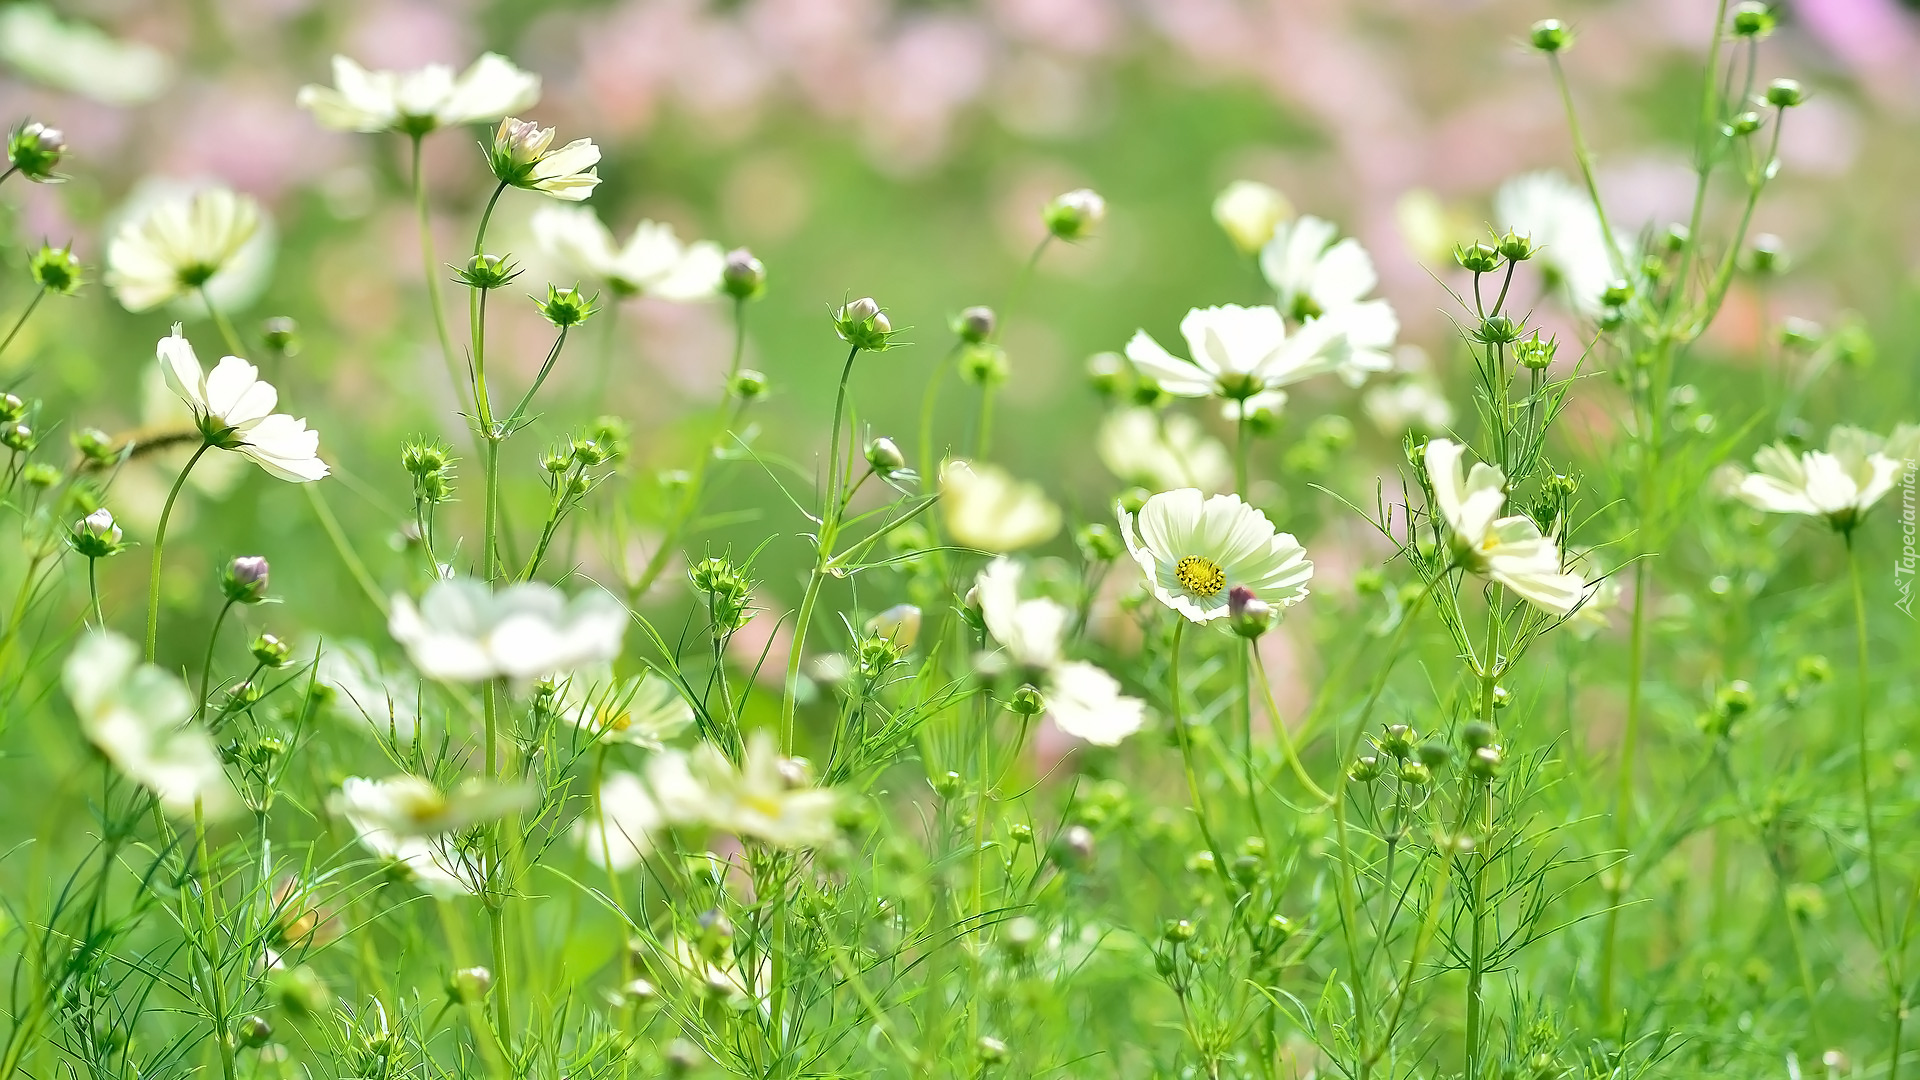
pixel 233 407
pixel 1083 700
pixel 1510 550
pixel 1324 282
pixel 1248 211
pixel 76 57
pixel 416 102
pixel 1410 405
pixel 178 245
pixel 761 800
pixel 1158 450
pixel 523 155
pixel 653 261
pixel 406 805
pixel 464 631
pixel 1840 483
pixel 645 711
pixel 1237 352
pixel 990 510
pixel 363 689
pixel 1559 217
pixel 1195 550
pixel 630 808
pixel 140 718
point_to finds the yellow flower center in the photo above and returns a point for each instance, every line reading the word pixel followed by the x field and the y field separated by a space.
pixel 1200 576
pixel 611 721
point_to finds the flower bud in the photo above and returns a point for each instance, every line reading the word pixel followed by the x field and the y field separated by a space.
pixel 17 437
pixel 1484 762
pixel 1434 754
pixel 1476 734
pixel 1107 372
pixel 34 149
pixel 253 1032
pixel 1515 248
pixel 11 407
pixel 949 785
pixel 487 272
pixel 39 474
pixel 1502 697
pixel 1535 353
pixel 748 385
pixel 1768 255
pixel 566 307
pixel 1176 931
pixel 885 456
pixel 1076 845
pixel 1364 769
pixel 1734 699
pixel 1814 669
pixel 56 269
pixel 1075 214
pixel 270 651
pixel 1785 93
pixel 469 985
pixel 1248 212
pixel 1027 701
pixel 96 536
pixel 1551 36
pixel 1098 542
pixel 282 335
pixel 1479 256
pixel 742 276
pixel 1248 615
pixel 1753 20
pixel 975 324
pixel 1397 741
pixel 244 581
pixel 1497 330
pixel 984 364
pixel 863 325
pixel 899 624
pixel 1745 123
pixel 1415 774
pixel 991 1051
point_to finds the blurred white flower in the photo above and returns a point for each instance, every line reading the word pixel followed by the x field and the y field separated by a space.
pixel 178 245
pixel 1321 280
pixel 1510 550
pixel 140 718
pixel 899 624
pixel 1238 352
pixel 618 831
pixel 464 631
pixel 645 710
pixel 761 800
pixel 1558 216
pixel 1603 595
pixel 1840 483
pixel 652 263
pixel 1158 450
pixel 1266 401
pixel 234 410
pixel 1409 405
pixel 76 57
pixel 1195 550
pixel 990 510
pixel 523 156
pixel 416 102
pixel 1083 700
pixel 411 806
pixel 363 689
pixel 1248 211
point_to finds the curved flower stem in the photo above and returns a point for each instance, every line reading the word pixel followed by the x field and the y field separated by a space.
pixel 1186 756
pixel 220 323
pixel 93 593
pixel 829 527
pixel 215 978
pixel 22 320
pixel 159 546
pixel 432 268
pixel 1280 727
pixel 206 665
pixel 1476 892
pixel 1882 933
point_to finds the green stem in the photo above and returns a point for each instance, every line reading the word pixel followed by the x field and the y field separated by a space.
pixel 343 547
pixel 22 320
pixel 206 665
pixel 1476 892
pixel 159 546
pixel 432 267
pixel 1882 933
pixel 829 526
pixel 93 593
pixel 1280 727
pixel 220 323
pixel 1186 757
pixel 215 977
pixel 1584 158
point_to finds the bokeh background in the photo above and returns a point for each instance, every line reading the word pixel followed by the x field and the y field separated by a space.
pixel 902 150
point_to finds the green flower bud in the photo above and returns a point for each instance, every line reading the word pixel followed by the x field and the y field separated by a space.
pixel 487 272
pixel 749 385
pixel 253 1032
pixel 1535 353
pixel 282 335
pixel 1753 20
pixel 1475 734
pixel 1075 214
pixel 1480 257
pixel 1397 741
pixel 1027 701
pixel 96 536
pixel 1497 330
pixel 1551 36
pixel 1434 754
pixel 974 325
pixel 1098 543
pixel 56 269
pixel 743 277
pixel 863 325
pixel 566 307
pixel 1365 769
pixel 1248 615
pixel 34 149
pixel 1515 248
pixel 991 1051
pixel 1415 774
pixel 270 651
pixel 1108 373
pixel 1785 93
pixel 244 580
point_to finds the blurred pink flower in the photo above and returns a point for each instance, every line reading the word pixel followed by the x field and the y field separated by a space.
pixel 1083 27
pixel 404 34
pixel 932 68
pixel 1863 33
pixel 251 136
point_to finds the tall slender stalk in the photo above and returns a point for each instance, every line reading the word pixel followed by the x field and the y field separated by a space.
pixel 159 547
pixel 38 295
pixel 829 528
